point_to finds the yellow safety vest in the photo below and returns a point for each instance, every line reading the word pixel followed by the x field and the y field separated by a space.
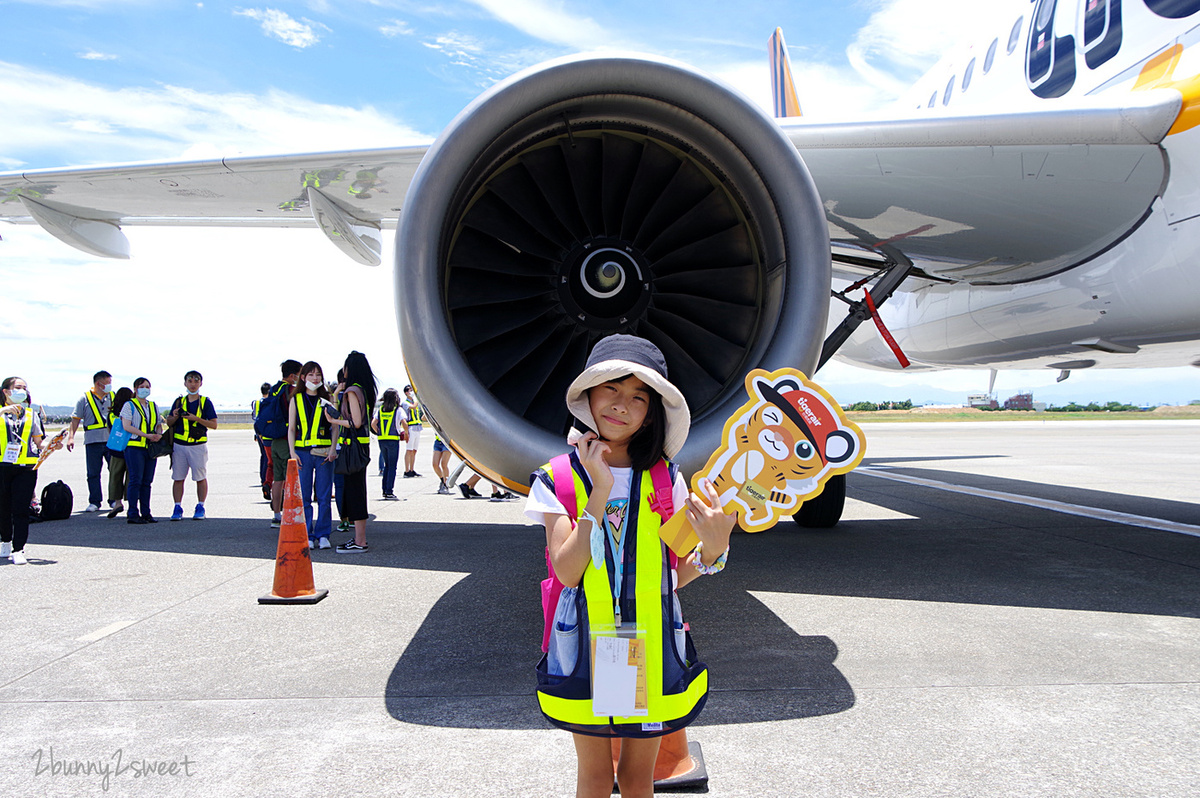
pixel 345 409
pixel 314 430
pixel 387 426
pixel 254 406
pixel 201 431
pixel 648 602
pixel 414 415
pixel 24 458
pixel 148 422
pixel 100 422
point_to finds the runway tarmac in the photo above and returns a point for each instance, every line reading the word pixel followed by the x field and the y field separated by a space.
pixel 1036 635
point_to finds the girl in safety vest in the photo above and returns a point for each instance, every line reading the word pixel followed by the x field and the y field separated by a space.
pixel 389 425
pixel 311 443
pixel 619 660
pixel 20 443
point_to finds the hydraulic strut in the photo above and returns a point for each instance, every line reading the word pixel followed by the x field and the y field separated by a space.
pixel 887 280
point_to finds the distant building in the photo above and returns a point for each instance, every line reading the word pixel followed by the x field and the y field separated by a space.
pixel 1022 401
pixel 982 400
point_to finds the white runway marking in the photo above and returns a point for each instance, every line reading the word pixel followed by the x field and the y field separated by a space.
pixel 112 628
pixel 1044 504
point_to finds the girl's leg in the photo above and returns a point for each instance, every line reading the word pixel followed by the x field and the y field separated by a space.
pixel 23 487
pixel 323 492
pixel 595 776
pixel 307 467
pixel 135 464
pixel 635 771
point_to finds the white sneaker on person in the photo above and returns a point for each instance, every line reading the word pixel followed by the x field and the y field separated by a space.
pixel 5 548
pixel 91 508
pixel 18 558
pixel 323 543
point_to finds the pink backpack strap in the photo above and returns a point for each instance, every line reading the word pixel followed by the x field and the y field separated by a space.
pixel 563 477
pixel 663 501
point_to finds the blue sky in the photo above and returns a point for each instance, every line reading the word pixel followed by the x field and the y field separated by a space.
pixel 109 81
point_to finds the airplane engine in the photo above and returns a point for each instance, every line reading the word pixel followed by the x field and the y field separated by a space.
pixel 600 195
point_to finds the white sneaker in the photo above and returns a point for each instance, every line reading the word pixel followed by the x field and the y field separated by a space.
pixel 91 508
pixel 323 543
pixel 18 558
pixel 311 543
pixel 5 548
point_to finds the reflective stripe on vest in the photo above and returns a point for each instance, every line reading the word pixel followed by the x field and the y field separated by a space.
pixel 309 433
pixel 24 458
pixel 414 415
pixel 254 407
pixel 146 425
pixel 387 426
pixel 99 420
pixel 648 601
pixel 186 435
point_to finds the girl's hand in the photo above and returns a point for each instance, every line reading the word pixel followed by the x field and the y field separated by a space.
pixel 591 455
pixel 154 437
pixel 329 458
pixel 712 525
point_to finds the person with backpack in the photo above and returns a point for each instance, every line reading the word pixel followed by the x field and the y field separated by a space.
pixel 264 449
pixel 20 444
pixel 271 426
pixel 602 507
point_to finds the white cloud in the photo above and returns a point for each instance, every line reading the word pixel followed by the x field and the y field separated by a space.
pixel 549 21
pixel 277 24
pixel 395 28
pixel 904 38
pixel 92 55
pixel 48 112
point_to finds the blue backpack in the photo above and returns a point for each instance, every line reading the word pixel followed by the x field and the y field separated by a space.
pixel 273 414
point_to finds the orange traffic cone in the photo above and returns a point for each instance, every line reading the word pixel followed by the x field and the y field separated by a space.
pixel 679 765
pixel 293 566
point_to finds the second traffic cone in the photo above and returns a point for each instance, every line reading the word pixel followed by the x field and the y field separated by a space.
pixel 293 566
pixel 679 764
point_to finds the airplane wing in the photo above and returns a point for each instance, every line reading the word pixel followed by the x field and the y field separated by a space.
pixel 989 199
pixel 351 196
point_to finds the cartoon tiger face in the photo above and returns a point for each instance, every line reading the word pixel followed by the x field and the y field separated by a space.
pixel 778 453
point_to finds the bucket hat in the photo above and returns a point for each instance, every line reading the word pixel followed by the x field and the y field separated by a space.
pixel 617 356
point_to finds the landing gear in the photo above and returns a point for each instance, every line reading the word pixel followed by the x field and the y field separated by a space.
pixel 824 510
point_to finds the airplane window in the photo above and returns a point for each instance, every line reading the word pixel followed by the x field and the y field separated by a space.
pixel 1101 31
pixel 949 90
pixel 1015 36
pixel 932 100
pixel 1044 12
pixel 967 74
pixel 990 57
pixel 1174 9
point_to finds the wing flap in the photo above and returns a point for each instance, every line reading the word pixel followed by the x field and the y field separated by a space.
pixel 992 199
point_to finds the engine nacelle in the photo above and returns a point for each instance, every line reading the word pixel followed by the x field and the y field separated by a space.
pixel 594 195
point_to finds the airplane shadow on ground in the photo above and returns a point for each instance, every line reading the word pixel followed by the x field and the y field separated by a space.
pixel 483 636
pixel 480 639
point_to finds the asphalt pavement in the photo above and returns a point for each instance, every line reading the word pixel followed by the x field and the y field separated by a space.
pixel 996 615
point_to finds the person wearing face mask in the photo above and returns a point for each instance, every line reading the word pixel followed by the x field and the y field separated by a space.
pixel 140 418
pixel 92 412
pixel 310 443
pixel 21 434
pixel 191 418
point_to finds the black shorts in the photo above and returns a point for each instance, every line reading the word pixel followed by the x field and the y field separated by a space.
pixel 354 496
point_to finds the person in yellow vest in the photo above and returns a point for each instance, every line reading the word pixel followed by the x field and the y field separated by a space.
pixel 620 579
pixel 310 444
pixel 191 418
pixel 415 419
pixel 92 412
pixel 388 425
pixel 21 434
pixel 140 418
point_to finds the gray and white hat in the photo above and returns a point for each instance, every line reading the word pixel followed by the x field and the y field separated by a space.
pixel 617 356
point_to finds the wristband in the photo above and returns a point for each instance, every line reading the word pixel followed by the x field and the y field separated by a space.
pixel 706 570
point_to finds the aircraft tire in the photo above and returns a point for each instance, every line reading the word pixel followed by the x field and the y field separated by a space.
pixel 824 510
